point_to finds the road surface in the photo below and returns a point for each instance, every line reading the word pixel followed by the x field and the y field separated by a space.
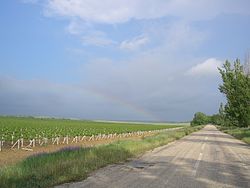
pixel 207 158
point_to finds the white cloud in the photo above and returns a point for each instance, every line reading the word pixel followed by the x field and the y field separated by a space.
pixel 180 35
pixel 120 11
pixel 107 11
pixel 134 43
pixel 96 38
pixel 205 9
pixel 88 35
pixel 90 13
pixel 77 27
pixel 208 67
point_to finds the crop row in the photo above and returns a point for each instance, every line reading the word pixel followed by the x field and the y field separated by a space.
pixel 12 128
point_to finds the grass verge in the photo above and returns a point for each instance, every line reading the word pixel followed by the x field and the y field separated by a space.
pixel 72 164
pixel 239 133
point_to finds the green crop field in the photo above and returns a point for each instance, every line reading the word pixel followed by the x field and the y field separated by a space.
pixel 29 128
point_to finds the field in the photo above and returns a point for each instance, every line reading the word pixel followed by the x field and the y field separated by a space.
pixel 76 163
pixel 57 164
pixel 13 128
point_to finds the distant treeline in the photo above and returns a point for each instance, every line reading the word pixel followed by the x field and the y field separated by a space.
pixel 236 88
pixel 203 119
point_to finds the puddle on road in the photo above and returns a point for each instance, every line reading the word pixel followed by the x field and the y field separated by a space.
pixel 140 164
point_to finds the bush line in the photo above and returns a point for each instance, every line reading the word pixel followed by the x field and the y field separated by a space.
pixel 75 163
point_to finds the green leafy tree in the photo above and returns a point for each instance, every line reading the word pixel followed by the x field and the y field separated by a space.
pixel 219 118
pixel 216 119
pixel 236 87
pixel 200 119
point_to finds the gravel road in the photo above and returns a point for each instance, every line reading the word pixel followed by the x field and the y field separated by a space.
pixel 207 158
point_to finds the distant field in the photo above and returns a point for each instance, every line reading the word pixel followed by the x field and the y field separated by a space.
pixel 29 128
pixel 150 123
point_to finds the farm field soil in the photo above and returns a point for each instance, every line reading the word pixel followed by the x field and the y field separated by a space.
pixel 8 156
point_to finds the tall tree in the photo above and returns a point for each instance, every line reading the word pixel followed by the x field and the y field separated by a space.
pixel 247 64
pixel 236 87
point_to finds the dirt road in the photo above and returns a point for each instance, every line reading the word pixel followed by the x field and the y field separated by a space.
pixel 207 158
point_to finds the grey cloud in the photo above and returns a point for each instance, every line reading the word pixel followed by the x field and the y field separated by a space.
pixel 159 85
pixel 129 92
pixel 43 98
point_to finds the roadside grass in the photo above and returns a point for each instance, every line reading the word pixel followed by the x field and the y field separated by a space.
pixel 75 163
pixel 239 133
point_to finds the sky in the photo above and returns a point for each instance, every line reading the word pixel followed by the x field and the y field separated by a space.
pixel 144 60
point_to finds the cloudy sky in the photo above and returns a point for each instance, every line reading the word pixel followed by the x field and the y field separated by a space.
pixel 153 60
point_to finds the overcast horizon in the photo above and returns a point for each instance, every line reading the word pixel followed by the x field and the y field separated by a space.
pixel 143 60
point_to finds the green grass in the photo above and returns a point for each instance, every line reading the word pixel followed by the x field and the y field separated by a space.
pixel 239 133
pixel 72 164
pixel 34 127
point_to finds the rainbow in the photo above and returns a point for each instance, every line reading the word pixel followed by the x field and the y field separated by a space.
pixel 122 102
